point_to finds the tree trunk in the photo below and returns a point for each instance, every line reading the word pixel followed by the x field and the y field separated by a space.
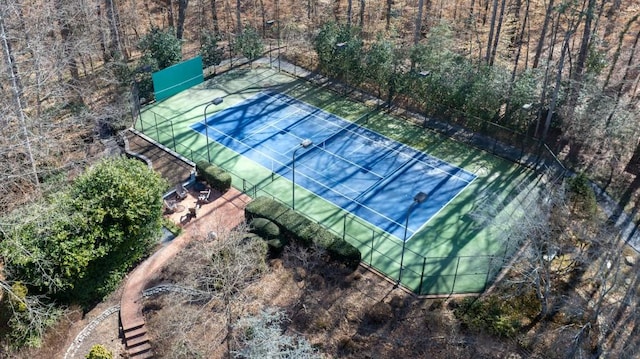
pixel 543 34
pixel 616 55
pixel 66 32
pixel 497 37
pixel 16 98
pixel 263 14
pixel 612 16
pixel 349 12
pixel 492 26
pixel 578 72
pixel 170 13
pixel 389 2
pixel 418 30
pixel 545 84
pixel 558 84
pixel 214 17
pixel 182 13
pixel 518 41
pixel 238 17
pixel 362 7
pixel 114 26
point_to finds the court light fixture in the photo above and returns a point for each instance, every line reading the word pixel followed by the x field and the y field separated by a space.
pixel 215 101
pixel 269 24
pixel 417 199
pixel 304 144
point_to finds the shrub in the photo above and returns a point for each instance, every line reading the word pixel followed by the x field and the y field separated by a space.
pixel 297 227
pixel 342 251
pixel 264 207
pixel 215 176
pixel 264 228
pixel 99 352
pixel 379 314
pixel 582 195
pixel 276 245
pixel 491 314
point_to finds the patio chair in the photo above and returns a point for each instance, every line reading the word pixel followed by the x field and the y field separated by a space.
pixel 181 192
pixel 170 205
pixel 203 197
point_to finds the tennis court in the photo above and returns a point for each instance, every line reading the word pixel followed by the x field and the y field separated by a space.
pixel 361 171
pixel 359 177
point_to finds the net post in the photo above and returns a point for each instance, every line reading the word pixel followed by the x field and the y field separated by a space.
pixel 244 185
pixel 424 264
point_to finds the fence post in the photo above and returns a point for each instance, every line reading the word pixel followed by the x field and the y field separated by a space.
pixel 371 255
pixel 486 279
pixel 157 131
pixel 173 137
pixel 424 264
pixel 141 124
pixel 455 276
pixel 344 227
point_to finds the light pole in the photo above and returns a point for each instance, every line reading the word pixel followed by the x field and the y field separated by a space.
pixel 278 23
pixel 215 101
pixel 304 144
pixel 339 48
pixel 422 75
pixel 417 199
pixel 269 24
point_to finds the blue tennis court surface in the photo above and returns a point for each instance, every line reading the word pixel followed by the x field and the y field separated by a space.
pixel 361 171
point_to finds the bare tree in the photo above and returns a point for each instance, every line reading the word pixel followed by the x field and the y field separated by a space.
pixel 218 269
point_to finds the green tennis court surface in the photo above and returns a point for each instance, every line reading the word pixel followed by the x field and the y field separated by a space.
pixel 459 250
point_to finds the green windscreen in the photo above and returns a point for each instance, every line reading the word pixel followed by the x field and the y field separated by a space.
pixel 178 77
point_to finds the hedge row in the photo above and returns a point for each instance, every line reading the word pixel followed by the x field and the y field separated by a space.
pixel 215 176
pixel 295 226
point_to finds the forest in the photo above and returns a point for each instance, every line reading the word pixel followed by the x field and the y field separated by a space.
pixel 558 75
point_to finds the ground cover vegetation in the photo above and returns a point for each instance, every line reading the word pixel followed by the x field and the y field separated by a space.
pixel 561 72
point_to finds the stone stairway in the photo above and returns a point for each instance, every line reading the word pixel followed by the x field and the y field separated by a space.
pixel 137 341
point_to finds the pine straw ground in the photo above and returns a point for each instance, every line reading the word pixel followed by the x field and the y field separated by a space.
pixel 341 312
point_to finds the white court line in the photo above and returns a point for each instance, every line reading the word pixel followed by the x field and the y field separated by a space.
pixel 402 145
pixel 441 208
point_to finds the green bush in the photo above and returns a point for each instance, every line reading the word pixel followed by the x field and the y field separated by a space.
pixel 495 315
pixel 582 194
pixel 276 245
pixel 264 207
pixel 342 251
pixel 264 228
pixel 215 176
pixel 295 226
pixel 99 351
